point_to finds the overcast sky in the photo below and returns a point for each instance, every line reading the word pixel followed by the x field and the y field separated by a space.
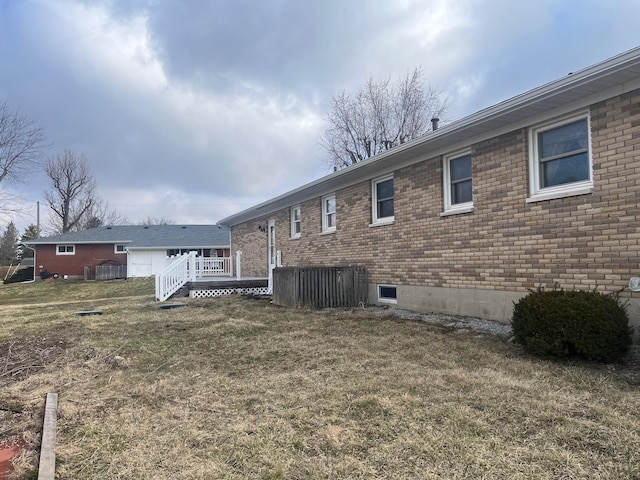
pixel 193 110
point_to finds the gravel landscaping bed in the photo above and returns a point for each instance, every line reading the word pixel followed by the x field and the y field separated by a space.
pixel 479 325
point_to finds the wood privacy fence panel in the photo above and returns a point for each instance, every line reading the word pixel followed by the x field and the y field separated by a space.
pixel 105 272
pixel 319 287
pixel 108 272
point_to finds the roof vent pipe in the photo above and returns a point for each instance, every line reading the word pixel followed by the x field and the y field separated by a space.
pixel 434 123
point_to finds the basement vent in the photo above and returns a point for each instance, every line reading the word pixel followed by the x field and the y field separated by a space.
pixel 387 293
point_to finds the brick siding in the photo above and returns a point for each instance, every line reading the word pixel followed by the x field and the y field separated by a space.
pixel 73 265
pixel 583 242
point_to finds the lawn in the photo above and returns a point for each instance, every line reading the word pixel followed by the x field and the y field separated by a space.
pixel 236 388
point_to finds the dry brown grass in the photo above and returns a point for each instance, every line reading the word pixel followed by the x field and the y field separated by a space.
pixel 237 388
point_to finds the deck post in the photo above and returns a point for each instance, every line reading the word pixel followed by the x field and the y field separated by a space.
pixel 238 267
pixel 192 266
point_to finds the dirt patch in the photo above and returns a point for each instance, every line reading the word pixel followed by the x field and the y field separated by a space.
pixel 8 451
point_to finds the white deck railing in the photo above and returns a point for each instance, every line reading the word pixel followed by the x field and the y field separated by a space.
pixel 181 270
pixel 187 268
pixel 214 267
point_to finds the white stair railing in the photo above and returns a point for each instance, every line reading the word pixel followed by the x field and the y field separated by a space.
pixel 180 271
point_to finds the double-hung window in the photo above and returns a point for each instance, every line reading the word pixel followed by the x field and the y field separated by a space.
pixel 382 203
pixel 65 249
pixel 295 222
pixel 329 214
pixel 560 158
pixel 458 183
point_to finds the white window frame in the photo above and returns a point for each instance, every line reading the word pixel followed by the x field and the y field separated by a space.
pixel 66 247
pixel 325 224
pixel 374 202
pixel 294 233
pixel 536 191
pixel 124 248
pixel 449 207
pixel 386 299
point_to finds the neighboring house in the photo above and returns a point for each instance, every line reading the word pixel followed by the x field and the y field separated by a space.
pixel 142 248
pixel 540 190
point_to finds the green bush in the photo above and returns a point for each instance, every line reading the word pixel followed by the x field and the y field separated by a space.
pixel 568 324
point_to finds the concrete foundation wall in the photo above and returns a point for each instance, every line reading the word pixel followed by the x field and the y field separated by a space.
pixel 471 302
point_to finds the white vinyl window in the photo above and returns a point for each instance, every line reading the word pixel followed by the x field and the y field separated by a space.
pixel 458 183
pixel 382 200
pixel 120 248
pixel 295 222
pixel 329 214
pixel 560 158
pixel 65 249
pixel 387 293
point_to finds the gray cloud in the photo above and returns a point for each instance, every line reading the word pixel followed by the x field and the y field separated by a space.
pixel 192 110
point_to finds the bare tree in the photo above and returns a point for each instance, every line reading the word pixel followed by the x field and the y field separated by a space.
pixel 157 221
pixel 100 214
pixel 73 190
pixel 21 147
pixel 10 205
pixel 21 144
pixel 379 117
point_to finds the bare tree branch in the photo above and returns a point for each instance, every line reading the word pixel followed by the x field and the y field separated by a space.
pixel 100 214
pixel 157 221
pixel 379 117
pixel 73 189
pixel 21 144
pixel 21 148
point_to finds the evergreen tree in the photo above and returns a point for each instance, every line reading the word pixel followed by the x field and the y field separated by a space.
pixel 30 233
pixel 9 245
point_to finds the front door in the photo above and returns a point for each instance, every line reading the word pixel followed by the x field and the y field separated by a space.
pixel 271 244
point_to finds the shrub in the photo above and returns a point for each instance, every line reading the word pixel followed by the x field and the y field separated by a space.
pixel 565 324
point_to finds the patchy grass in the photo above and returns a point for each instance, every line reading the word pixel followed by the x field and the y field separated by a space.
pixel 238 388
pixel 67 291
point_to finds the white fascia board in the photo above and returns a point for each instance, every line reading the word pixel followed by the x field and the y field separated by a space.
pixel 74 242
pixel 174 247
pixel 418 149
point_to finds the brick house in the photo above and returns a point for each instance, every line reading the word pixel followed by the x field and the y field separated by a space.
pixel 142 248
pixel 538 190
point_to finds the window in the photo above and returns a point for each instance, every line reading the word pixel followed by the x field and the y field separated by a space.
pixel 382 204
pixel 120 248
pixel 560 159
pixel 295 222
pixel 65 249
pixel 329 214
pixel 172 252
pixel 387 294
pixel 458 184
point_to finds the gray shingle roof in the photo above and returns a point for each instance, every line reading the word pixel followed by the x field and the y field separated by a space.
pixel 147 236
